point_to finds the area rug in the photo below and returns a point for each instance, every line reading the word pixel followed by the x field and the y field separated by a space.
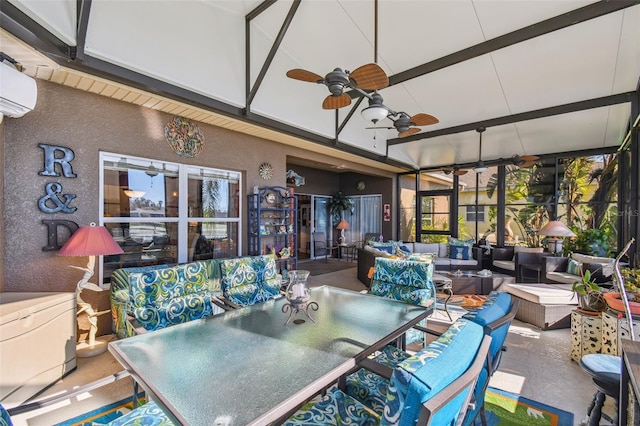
pixel 507 409
pixel 102 415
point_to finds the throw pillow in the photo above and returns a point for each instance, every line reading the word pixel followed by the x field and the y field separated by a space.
pixel 389 247
pixel 457 242
pixel 459 252
pixel 574 267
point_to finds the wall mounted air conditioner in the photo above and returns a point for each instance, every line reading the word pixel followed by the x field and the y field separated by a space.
pixel 18 92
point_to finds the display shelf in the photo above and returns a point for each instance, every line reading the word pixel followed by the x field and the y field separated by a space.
pixel 273 225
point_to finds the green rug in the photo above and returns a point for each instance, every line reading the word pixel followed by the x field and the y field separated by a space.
pixel 506 409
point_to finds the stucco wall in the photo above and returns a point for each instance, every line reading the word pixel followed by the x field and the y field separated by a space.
pixel 87 124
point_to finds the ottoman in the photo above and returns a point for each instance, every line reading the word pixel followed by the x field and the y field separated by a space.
pixel 547 306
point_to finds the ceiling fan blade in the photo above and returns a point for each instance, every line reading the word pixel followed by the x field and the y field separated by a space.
pixel 304 75
pixel 424 119
pixel 460 172
pixel 411 131
pixel 335 102
pixel 369 77
pixel 527 164
pixel 527 158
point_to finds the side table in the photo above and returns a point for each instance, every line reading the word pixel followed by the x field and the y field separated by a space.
pixel 586 334
pixel 527 270
pixel 614 328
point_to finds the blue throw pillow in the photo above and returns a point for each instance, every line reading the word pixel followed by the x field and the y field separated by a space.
pixel 574 267
pixel 459 252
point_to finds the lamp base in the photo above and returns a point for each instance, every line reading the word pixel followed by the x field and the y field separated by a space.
pixel 85 350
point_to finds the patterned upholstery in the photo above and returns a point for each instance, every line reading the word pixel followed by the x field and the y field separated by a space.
pixel 334 409
pixel 5 420
pixel 249 280
pixel 415 380
pixel 371 388
pixel 193 301
pixel 148 414
pixel 407 281
pixel 168 296
pixel 403 280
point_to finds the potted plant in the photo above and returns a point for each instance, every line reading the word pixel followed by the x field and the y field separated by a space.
pixel 632 286
pixel 590 297
pixel 338 204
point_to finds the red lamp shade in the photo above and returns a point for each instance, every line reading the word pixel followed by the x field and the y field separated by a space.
pixel 343 224
pixel 90 240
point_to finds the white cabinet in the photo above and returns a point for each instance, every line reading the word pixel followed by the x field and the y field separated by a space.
pixel 37 342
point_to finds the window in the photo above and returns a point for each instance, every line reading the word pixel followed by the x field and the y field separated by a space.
pixel 470 214
pixel 161 212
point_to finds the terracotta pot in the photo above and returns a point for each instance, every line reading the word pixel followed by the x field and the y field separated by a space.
pixel 614 300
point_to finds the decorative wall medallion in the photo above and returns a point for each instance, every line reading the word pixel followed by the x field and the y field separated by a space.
pixel 184 137
pixel 265 171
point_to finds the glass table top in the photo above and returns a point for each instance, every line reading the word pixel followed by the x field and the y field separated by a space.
pixel 246 367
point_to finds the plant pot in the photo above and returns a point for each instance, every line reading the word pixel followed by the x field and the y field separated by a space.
pixel 614 301
pixel 592 302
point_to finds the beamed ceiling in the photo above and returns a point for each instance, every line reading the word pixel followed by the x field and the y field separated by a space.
pixel 544 77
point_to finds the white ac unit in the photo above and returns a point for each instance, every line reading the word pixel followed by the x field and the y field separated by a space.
pixel 18 92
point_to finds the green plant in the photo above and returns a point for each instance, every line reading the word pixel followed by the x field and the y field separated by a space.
pixel 589 293
pixel 596 242
pixel 338 204
pixel 631 283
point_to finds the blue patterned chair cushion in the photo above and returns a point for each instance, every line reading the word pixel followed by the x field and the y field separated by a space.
pixel 148 415
pixel 5 420
pixel 421 376
pixel 404 280
pixel 249 280
pixel 334 409
pixel 495 307
pixel 372 389
pixel 172 295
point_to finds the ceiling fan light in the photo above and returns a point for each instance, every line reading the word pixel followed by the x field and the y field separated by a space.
pixel 480 168
pixel 374 113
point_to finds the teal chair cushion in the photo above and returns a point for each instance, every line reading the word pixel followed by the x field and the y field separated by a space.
pixel 5 420
pixel 405 280
pixel 334 409
pixel 249 280
pixel 171 295
pixel 495 307
pixel 148 414
pixel 423 375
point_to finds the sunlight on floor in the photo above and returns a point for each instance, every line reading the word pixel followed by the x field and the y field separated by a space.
pixel 524 332
pixel 507 382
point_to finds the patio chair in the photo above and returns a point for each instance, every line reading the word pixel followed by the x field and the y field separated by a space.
pixel 249 280
pixel 433 386
pixel 407 281
pixel 320 246
pixel 495 316
pixel 146 414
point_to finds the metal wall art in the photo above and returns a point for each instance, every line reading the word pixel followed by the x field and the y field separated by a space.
pixel 294 178
pixel 184 137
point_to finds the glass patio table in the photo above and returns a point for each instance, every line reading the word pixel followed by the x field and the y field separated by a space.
pixel 246 367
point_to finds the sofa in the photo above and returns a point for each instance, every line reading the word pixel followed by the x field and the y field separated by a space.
pixel 441 251
pixel 507 260
pixel 149 298
pixel 568 270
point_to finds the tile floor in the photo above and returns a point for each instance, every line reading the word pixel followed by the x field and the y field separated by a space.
pixel 536 365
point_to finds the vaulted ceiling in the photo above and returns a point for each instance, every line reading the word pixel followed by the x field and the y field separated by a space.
pixel 542 76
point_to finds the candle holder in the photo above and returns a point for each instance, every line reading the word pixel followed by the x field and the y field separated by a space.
pixel 297 295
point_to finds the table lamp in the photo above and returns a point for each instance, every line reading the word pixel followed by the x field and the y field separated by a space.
pixel 342 225
pixel 90 241
pixel 554 229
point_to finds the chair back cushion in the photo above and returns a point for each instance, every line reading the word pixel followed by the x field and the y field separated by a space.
pixel 171 295
pixel 495 307
pixel 405 280
pixel 422 376
pixel 249 280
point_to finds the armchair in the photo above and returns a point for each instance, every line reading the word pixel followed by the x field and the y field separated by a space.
pixel 249 280
pixel 495 316
pixel 432 386
pixel 506 259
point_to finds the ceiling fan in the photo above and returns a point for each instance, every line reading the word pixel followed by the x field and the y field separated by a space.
pixel 524 161
pixel 455 170
pixel 366 77
pixel 408 125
